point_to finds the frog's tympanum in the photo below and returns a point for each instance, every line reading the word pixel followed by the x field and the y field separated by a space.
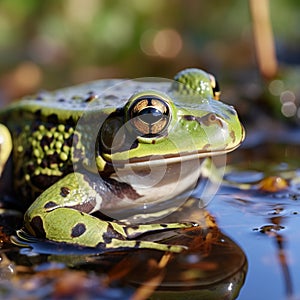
pixel 100 160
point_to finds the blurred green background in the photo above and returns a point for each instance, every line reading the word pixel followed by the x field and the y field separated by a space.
pixel 51 44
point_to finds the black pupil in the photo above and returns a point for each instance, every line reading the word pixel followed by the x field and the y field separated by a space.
pixel 150 115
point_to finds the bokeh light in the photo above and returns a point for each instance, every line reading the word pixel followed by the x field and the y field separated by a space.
pixel 166 43
pixel 289 109
pixel 276 87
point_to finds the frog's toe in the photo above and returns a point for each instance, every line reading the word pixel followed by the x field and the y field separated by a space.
pixel 138 244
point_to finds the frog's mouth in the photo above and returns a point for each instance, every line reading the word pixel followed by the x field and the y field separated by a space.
pixel 158 160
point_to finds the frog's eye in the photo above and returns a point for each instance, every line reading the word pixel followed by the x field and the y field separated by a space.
pixel 149 115
pixel 215 87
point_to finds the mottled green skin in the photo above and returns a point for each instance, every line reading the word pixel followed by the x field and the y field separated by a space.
pixel 54 153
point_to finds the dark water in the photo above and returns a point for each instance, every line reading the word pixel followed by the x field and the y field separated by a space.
pixel 273 257
pixel 265 224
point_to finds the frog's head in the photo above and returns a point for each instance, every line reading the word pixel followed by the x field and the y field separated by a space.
pixel 184 123
pixel 151 148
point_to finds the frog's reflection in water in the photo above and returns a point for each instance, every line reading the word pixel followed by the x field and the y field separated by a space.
pixel 214 266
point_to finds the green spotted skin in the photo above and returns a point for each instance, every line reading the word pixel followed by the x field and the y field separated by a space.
pixel 43 150
pixel 79 153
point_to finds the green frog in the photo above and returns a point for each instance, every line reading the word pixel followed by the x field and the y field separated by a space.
pixel 97 163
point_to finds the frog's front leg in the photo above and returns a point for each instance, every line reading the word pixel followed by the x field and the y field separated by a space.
pixel 61 214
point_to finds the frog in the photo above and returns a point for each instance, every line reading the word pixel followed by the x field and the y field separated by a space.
pixel 97 164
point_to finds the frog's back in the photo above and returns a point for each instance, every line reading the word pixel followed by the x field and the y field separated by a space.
pixel 72 101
